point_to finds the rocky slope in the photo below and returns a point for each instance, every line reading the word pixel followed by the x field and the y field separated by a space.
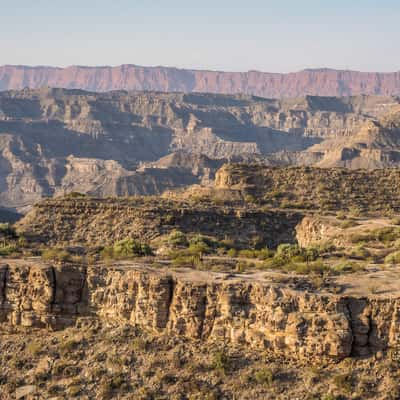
pixel 238 311
pixel 54 141
pixel 321 82
pixel 100 222
pixel 310 188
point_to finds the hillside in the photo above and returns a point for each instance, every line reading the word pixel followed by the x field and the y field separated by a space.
pixel 320 82
pixel 56 141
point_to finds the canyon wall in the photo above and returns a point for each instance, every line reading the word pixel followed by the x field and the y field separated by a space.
pixel 57 141
pixel 323 82
pixel 237 311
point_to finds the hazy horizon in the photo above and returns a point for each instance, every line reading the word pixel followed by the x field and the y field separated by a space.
pixel 193 68
pixel 288 36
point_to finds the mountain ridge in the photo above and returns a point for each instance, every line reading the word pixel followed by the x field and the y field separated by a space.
pixel 318 81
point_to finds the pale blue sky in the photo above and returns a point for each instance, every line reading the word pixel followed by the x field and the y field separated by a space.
pixel 276 36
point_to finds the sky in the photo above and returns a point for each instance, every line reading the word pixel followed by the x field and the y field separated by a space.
pixel 264 35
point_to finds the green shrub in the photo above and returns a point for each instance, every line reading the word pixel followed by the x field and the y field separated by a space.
pixel 8 250
pixel 221 361
pixel 34 348
pixel 186 261
pixel 347 267
pixel 288 251
pixel 247 253
pixel 199 249
pixel 264 376
pixel 177 238
pixel 126 248
pixel 388 234
pixel 360 252
pixel 131 248
pixel 232 253
pixel 75 195
pixel 350 223
pixel 396 221
pixel 344 382
pixel 7 230
pixel 201 240
pixel 316 267
pixel 56 254
pixel 393 258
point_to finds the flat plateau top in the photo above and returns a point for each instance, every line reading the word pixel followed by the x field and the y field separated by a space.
pixel 373 282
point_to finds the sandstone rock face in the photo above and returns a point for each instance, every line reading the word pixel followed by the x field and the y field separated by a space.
pixel 55 141
pixel 314 230
pixel 244 312
pixel 321 82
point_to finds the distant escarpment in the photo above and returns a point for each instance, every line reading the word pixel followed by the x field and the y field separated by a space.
pixel 321 82
pixel 56 141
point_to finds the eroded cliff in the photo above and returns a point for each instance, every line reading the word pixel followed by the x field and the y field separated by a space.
pixel 209 307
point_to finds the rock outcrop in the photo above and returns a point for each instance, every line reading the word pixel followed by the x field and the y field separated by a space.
pixel 321 82
pixel 238 311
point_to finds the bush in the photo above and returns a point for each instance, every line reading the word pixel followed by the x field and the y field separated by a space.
pixel 221 361
pixel 393 258
pixel 242 266
pixel 56 254
pixel 199 249
pixel 360 252
pixel 126 248
pixel 186 261
pixel 347 267
pixel 201 240
pixel 131 248
pixel 232 253
pixel 264 376
pixel 396 221
pixel 7 230
pixel 75 195
pixel 262 254
pixel 288 251
pixel 344 382
pixel 247 253
pixel 305 268
pixel 177 238
pixel 350 223
pixel 8 250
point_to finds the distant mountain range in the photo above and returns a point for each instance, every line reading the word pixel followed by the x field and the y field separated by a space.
pixel 319 82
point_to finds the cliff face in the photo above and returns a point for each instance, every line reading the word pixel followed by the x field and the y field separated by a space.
pixel 238 311
pixel 322 82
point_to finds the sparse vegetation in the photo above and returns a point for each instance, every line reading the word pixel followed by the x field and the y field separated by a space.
pixel 125 249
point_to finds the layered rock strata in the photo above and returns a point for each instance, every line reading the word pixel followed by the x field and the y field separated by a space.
pixel 202 307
